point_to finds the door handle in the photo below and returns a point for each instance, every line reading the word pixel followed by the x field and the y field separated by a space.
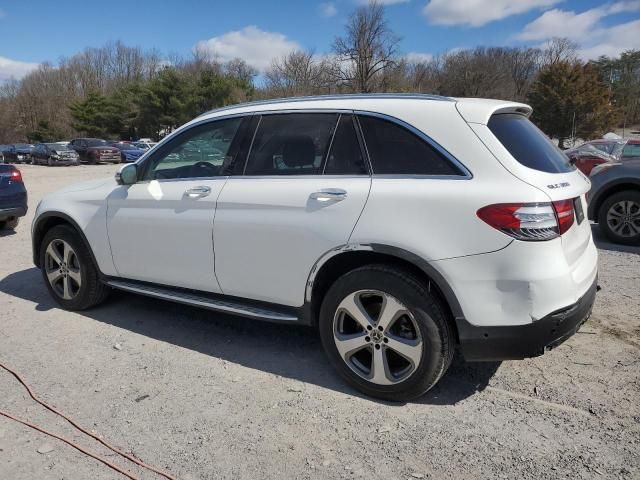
pixel 329 195
pixel 197 192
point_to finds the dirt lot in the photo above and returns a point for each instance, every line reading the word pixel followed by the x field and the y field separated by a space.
pixel 213 396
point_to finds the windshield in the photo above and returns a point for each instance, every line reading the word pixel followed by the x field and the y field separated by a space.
pixel 22 146
pixel 527 144
pixel 57 146
pixel 97 143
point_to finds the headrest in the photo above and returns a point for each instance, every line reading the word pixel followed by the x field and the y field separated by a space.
pixel 299 151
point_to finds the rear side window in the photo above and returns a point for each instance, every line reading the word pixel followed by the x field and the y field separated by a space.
pixel 395 150
pixel 345 156
pixel 527 144
pixel 291 144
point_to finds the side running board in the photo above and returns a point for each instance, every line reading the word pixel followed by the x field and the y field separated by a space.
pixel 202 300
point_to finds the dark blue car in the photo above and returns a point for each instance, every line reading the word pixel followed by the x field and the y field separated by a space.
pixel 128 151
pixel 13 196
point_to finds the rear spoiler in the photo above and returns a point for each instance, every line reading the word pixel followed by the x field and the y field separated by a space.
pixel 478 110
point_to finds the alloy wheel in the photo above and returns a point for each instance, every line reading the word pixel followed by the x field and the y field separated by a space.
pixel 377 337
pixel 623 218
pixel 62 267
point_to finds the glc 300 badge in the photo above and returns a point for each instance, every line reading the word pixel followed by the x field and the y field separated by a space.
pixel 558 185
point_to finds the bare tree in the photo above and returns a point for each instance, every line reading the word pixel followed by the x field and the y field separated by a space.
pixel 559 49
pixel 522 64
pixel 367 49
pixel 298 73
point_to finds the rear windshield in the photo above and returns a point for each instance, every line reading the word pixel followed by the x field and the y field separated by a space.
pixel 527 144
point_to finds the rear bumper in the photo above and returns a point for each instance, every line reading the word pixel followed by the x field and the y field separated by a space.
pixel 524 341
pixel 6 213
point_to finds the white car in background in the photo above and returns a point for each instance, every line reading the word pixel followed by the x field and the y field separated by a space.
pixel 401 226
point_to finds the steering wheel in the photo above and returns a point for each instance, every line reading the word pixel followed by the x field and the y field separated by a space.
pixel 200 167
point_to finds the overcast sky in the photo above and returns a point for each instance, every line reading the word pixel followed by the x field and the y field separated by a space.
pixel 34 31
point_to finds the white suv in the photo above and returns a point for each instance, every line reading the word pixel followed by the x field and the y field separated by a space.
pixel 402 226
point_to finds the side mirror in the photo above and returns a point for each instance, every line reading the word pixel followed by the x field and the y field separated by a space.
pixel 127 175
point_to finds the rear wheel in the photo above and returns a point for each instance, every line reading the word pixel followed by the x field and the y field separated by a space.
pixel 50 162
pixel 385 333
pixel 68 270
pixel 619 217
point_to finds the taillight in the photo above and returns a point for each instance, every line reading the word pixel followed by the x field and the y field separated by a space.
pixel 564 212
pixel 15 176
pixel 530 221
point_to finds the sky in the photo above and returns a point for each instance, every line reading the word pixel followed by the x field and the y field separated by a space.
pixel 36 31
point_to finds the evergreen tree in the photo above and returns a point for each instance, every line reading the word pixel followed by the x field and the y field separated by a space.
pixel 570 99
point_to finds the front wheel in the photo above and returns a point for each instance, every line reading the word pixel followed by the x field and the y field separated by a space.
pixel 385 333
pixel 619 217
pixel 68 270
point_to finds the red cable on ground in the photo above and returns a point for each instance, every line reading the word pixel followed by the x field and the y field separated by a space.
pixel 86 432
pixel 69 442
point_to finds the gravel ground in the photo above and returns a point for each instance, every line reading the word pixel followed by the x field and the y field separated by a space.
pixel 206 395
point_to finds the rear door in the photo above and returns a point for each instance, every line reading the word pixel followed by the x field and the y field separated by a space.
pixel 299 195
pixel 528 154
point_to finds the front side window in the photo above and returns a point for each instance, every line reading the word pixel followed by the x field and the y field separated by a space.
pixel 291 144
pixel 393 149
pixel 198 152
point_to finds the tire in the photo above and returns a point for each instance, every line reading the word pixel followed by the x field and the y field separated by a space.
pixel 619 217
pixel 9 224
pixel 90 291
pixel 420 324
pixel 50 162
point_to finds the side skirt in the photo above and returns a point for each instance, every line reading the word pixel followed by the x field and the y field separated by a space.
pixel 210 301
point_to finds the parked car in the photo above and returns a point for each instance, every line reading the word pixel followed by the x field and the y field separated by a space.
pixel 614 200
pixel 128 151
pixel 54 154
pixel 18 153
pixel 402 226
pixel 587 156
pixel 611 147
pixel 631 150
pixel 13 197
pixel 145 145
pixel 94 150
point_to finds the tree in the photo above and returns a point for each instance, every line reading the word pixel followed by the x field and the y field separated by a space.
pixel 559 49
pixel 97 116
pixel 43 133
pixel 622 75
pixel 298 73
pixel 569 99
pixel 367 49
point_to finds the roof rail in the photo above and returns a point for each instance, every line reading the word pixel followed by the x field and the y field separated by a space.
pixel 343 96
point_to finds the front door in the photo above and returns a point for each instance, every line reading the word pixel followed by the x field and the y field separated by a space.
pixel 302 190
pixel 160 229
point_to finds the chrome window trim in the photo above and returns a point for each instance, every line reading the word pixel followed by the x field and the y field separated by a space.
pixel 467 175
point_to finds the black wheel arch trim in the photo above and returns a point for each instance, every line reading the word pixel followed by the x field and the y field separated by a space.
pixel 608 189
pixel 37 235
pixel 423 265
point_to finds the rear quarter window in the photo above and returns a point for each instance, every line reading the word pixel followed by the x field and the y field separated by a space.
pixel 527 144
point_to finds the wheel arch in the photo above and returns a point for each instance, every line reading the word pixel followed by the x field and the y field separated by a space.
pixel 596 204
pixel 45 222
pixel 345 258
